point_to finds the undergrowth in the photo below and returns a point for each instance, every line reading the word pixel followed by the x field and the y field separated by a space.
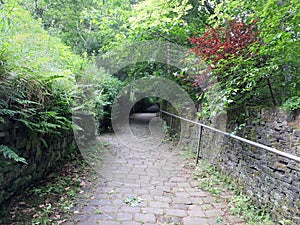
pixel 240 204
pixel 51 201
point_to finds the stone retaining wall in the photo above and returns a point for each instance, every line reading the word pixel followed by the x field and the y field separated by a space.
pixel 271 180
pixel 42 153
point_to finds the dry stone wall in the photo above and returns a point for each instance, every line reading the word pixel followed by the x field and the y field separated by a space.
pixel 271 180
pixel 42 153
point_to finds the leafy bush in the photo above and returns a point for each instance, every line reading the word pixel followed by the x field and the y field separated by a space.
pixel 292 103
pixel 109 90
pixel 98 92
pixel 41 78
pixel 37 73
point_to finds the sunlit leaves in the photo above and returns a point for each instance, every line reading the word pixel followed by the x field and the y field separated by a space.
pixel 272 58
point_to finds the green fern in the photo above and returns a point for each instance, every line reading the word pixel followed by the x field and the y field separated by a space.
pixel 10 154
pixel 7 112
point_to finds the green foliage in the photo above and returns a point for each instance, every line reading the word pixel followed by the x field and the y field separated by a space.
pixel 50 201
pixel 37 78
pixel 98 92
pixel 160 20
pixel 85 25
pixel 133 201
pixel 108 91
pixel 242 205
pixel 10 154
pixel 274 74
pixel 40 75
pixel 293 103
pixel 268 78
pixel 215 182
pixel 41 79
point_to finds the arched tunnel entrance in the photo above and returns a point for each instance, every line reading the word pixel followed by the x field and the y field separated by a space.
pixel 148 108
pixel 146 105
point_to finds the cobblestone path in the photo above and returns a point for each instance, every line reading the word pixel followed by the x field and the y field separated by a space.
pixel 148 183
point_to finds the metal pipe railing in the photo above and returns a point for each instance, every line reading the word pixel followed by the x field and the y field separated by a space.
pixel 281 153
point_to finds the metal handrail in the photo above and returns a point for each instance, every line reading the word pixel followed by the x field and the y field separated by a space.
pixel 281 153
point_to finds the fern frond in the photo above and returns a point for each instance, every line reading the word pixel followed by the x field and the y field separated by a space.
pixel 8 112
pixel 10 154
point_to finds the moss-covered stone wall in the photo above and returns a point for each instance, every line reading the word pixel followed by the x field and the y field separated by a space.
pixel 42 153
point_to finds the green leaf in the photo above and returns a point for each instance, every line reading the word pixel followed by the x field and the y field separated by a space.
pixel 10 154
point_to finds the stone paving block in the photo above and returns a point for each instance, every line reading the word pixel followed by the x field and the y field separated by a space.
pixel 156 192
pixel 99 195
pixel 108 209
pixel 183 185
pixel 206 206
pixel 145 217
pixel 97 202
pixel 215 221
pixel 197 200
pixel 123 190
pixel 198 193
pixel 196 211
pixel 162 199
pixel 89 209
pixel 182 194
pixel 133 176
pixel 170 184
pixel 117 195
pixel 178 179
pixel 124 216
pixel 108 223
pixel 214 213
pixel 130 209
pixel 209 200
pixel 163 188
pixel 180 206
pixel 120 175
pixel 118 202
pixel 87 223
pixel 234 219
pixel 195 221
pixel 176 212
pixel 182 200
pixel 194 184
pixel 169 220
pixel 103 216
pixel 220 205
pixel 132 223
pixel 141 191
pixel 159 204
pixel 114 184
pixel 156 211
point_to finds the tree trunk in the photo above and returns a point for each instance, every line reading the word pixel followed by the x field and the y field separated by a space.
pixel 271 92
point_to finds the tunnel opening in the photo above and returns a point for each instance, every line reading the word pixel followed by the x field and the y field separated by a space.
pixel 148 108
pixel 146 105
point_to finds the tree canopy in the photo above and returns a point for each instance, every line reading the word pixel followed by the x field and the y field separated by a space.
pixel 251 48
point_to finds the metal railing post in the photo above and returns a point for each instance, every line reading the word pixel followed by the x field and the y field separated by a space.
pixel 199 144
pixel 171 124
